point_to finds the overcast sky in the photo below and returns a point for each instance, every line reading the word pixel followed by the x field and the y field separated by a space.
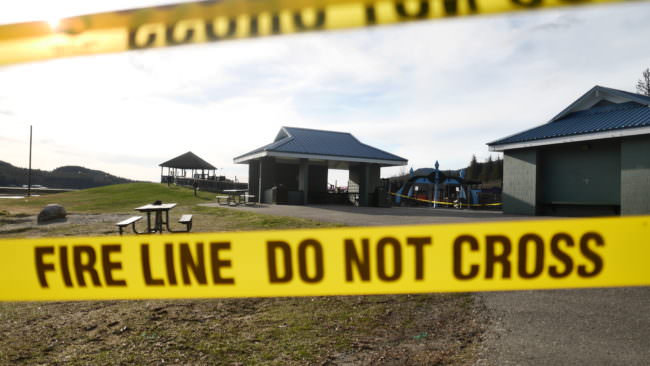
pixel 436 90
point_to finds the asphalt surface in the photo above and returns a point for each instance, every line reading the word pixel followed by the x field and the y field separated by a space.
pixel 568 327
pixel 557 327
pixel 377 216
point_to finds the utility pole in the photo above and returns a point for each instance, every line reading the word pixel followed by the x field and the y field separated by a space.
pixel 29 172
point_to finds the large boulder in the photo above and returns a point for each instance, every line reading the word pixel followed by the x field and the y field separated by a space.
pixel 52 212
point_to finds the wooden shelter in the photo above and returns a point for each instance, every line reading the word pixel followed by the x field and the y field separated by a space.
pixel 179 166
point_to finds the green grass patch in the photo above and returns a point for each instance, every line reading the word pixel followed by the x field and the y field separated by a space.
pixel 107 199
pixel 119 201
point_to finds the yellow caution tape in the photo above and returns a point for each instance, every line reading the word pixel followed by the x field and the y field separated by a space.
pixel 445 203
pixel 544 254
pixel 212 21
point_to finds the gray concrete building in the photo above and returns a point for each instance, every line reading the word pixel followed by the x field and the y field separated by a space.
pixel 294 167
pixel 593 158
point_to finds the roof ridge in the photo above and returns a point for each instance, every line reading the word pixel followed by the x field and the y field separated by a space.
pixel 313 129
pixel 604 109
pixel 594 93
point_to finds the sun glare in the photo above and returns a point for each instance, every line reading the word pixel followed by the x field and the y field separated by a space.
pixel 54 23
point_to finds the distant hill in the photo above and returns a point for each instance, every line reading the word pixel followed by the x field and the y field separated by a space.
pixel 72 177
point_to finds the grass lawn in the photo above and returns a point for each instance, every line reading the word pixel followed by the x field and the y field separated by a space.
pixel 433 329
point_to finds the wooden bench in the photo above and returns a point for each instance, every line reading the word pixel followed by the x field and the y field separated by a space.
pixel 130 221
pixel 187 220
pixel 246 197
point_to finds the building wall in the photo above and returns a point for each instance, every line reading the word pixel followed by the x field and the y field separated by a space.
pixel 287 176
pixel 268 173
pixel 579 179
pixel 365 178
pixel 520 181
pixel 586 173
pixel 268 176
pixel 253 177
pixel 374 177
pixel 635 175
pixel 317 178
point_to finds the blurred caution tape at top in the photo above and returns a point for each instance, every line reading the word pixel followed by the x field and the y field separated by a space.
pixel 522 255
pixel 211 21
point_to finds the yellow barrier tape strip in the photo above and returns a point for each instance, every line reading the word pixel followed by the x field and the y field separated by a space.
pixel 543 254
pixel 212 21
pixel 445 203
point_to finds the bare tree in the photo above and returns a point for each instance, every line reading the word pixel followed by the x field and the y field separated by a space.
pixel 643 85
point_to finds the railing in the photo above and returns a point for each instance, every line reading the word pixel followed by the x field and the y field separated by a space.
pixel 208 185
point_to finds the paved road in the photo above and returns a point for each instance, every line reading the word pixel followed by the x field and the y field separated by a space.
pixel 561 327
pixel 568 327
pixel 376 216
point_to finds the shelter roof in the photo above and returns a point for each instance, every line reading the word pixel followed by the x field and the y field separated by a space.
pixel 293 142
pixel 600 113
pixel 187 161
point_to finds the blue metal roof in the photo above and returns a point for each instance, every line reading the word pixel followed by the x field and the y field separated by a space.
pixel 319 142
pixel 640 98
pixel 600 118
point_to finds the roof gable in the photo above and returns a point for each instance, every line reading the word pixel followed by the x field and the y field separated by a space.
pixel 187 161
pixel 599 94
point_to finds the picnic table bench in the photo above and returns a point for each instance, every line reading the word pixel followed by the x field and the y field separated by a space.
pixel 247 198
pixel 187 221
pixel 130 221
pixel 223 200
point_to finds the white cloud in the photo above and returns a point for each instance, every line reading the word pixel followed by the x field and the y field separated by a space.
pixel 426 91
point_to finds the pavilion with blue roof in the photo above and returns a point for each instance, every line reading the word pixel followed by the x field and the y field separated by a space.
pixel 592 158
pixel 297 162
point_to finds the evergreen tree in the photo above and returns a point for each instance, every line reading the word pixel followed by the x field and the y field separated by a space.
pixel 473 170
pixel 486 170
pixel 497 170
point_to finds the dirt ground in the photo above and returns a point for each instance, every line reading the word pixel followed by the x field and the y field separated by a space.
pixel 434 329
pixel 377 330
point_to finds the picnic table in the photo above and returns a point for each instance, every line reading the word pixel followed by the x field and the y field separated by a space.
pixel 235 193
pixel 158 211
pixel 159 222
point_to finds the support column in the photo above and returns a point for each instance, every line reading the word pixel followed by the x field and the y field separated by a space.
pixel 364 186
pixel 259 183
pixel 303 180
pixel 520 182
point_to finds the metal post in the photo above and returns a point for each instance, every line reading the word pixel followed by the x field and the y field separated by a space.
pixel 437 181
pixel 29 172
pixel 259 185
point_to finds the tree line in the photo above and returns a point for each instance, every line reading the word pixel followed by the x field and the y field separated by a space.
pixel 71 177
pixel 488 171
